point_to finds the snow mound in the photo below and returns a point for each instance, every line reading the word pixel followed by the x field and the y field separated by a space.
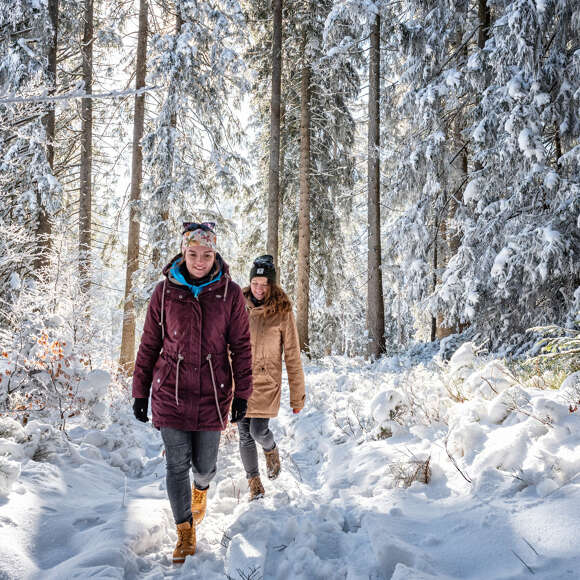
pixel 11 429
pixel 493 379
pixel 95 385
pixel 387 405
pixel 9 473
pixel 570 388
pixel 503 406
pixel 463 360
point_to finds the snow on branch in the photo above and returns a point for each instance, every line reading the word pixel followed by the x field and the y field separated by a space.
pixel 77 95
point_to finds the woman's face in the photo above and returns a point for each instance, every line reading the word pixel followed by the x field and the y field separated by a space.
pixel 259 287
pixel 199 260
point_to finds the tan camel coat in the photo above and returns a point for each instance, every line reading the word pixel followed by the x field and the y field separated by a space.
pixel 273 333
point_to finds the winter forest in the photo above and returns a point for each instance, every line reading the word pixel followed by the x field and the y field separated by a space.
pixel 414 168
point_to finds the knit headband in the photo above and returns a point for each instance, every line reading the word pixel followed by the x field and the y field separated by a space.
pixel 199 235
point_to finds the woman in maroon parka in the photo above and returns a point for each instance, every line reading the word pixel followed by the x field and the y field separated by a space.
pixel 196 323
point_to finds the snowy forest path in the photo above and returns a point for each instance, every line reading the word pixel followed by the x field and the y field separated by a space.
pixel 239 539
pixel 97 506
pixel 300 529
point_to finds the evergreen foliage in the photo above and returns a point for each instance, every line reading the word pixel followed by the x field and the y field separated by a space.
pixel 480 161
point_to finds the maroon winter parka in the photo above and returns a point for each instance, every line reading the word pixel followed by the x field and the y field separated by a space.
pixel 183 353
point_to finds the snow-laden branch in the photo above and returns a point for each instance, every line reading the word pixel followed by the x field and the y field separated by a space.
pixel 77 95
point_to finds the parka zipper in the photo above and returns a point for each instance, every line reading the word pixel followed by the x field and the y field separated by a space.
pixel 161 322
pixel 208 357
pixel 179 359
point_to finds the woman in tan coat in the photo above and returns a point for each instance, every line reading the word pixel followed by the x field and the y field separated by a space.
pixel 273 333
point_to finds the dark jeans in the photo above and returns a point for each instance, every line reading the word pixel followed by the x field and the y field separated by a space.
pixel 185 450
pixel 254 429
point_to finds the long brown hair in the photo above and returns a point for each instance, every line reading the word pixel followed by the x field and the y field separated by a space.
pixel 276 300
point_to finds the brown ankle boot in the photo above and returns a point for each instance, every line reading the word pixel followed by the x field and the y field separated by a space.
pixel 185 542
pixel 198 504
pixel 272 462
pixel 256 488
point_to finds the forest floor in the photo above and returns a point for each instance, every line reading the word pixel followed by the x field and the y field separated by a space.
pixel 386 474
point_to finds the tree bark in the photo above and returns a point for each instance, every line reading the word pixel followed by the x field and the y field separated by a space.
pixel 127 358
pixel 303 278
pixel 86 168
pixel 283 180
pixel 484 16
pixel 52 61
pixel 44 227
pixel 375 304
pixel 557 146
pixel 434 278
pixel 274 169
pixel 452 240
pixel 283 147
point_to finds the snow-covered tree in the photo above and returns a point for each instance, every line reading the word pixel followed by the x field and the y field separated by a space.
pixel 29 191
pixel 518 262
pixel 192 147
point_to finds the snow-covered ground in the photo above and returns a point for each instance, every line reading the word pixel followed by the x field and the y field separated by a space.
pixel 403 469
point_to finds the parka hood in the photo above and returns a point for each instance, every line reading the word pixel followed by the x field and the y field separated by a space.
pixel 218 275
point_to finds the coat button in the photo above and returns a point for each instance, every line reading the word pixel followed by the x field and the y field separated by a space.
pixel 158 380
pixel 181 296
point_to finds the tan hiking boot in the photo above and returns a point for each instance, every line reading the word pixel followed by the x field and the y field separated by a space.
pixel 198 504
pixel 256 488
pixel 272 463
pixel 185 542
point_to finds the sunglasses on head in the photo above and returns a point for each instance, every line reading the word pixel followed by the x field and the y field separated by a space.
pixel 205 226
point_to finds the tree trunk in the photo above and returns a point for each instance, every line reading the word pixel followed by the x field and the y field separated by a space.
pixel 85 194
pixel 375 305
pixel 484 16
pixel 434 278
pixel 282 196
pixel 274 170
pixel 303 278
pixel 283 147
pixel 44 227
pixel 127 358
pixel 52 60
pixel 454 239
pixel 557 146
pixel 451 240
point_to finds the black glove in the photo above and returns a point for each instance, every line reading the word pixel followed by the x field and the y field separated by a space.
pixel 239 408
pixel 140 409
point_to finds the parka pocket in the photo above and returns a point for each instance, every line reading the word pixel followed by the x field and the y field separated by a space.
pixel 222 373
pixel 160 375
pixel 267 371
pixel 218 391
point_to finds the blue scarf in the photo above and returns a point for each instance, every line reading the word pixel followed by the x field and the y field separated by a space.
pixel 196 290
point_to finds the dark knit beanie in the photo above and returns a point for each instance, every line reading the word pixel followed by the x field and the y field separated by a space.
pixel 264 266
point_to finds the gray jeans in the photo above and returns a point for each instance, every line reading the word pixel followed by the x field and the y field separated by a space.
pixel 185 450
pixel 252 429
